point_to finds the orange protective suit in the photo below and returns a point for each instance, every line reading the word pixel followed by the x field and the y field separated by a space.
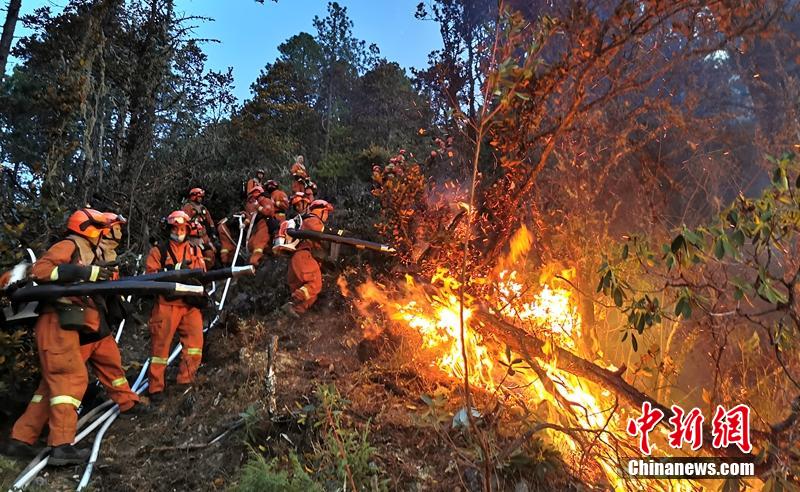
pixel 226 241
pixel 259 209
pixel 259 240
pixel 298 184
pixel 171 315
pixel 104 357
pixel 281 201
pixel 198 212
pixel 252 183
pixel 305 277
pixel 64 375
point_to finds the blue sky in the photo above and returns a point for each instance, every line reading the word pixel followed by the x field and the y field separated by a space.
pixel 249 32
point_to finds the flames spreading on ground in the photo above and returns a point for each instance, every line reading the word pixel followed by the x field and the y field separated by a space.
pixel 433 311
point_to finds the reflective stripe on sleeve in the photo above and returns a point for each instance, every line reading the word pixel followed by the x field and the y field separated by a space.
pixel 159 360
pixel 305 292
pixel 54 274
pixel 64 399
pixel 194 351
pixel 258 250
pixel 119 381
pixel 37 398
pixel 224 250
pixel 95 273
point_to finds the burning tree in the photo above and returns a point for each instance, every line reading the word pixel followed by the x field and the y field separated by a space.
pixel 585 109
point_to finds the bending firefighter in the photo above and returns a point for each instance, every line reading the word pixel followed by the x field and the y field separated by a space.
pixel 59 330
pixel 174 314
pixel 305 276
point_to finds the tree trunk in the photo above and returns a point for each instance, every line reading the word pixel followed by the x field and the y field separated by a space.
pixel 12 15
pixel 531 347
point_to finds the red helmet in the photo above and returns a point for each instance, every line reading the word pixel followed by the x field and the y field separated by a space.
pixel 321 206
pixel 271 185
pixel 178 218
pixel 255 191
pixel 299 197
pixel 114 219
pixel 87 222
pixel 197 192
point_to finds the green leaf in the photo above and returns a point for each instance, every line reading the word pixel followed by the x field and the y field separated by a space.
pixel 737 238
pixel 719 248
pixel 679 306
pixel 618 295
pixel 695 239
pixel 779 179
pixel 678 244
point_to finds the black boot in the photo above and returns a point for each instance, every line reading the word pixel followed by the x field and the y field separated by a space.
pixel 137 410
pixel 68 455
pixel 19 449
pixel 156 398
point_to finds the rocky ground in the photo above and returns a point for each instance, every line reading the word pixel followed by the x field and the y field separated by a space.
pixel 414 447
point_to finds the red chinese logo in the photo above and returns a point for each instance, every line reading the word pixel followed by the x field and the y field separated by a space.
pixel 644 424
pixel 728 427
pixel 686 427
pixel 732 427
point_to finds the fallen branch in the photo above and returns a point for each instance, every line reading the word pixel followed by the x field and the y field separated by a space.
pixel 200 445
pixel 531 347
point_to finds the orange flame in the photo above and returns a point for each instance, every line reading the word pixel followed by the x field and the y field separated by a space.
pixel 547 310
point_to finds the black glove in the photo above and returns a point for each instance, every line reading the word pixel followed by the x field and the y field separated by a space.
pixel 77 273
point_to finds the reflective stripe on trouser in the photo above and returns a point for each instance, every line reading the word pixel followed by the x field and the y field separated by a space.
pixel 164 322
pixel 258 241
pixel 30 424
pixel 64 380
pixel 305 280
pixel 104 357
pixel 228 246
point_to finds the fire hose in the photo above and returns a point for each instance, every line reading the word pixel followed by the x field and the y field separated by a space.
pixel 40 292
pixel 334 238
pixel 107 418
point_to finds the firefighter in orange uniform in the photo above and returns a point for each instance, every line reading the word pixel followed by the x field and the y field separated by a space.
pixel 259 209
pixel 305 277
pixel 311 190
pixel 58 332
pixel 199 214
pixel 174 314
pixel 300 203
pixel 299 167
pixel 281 201
pixel 257 181
pixel 101 349
pixel 227 244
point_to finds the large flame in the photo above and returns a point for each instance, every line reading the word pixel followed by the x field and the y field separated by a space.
pixel 435 311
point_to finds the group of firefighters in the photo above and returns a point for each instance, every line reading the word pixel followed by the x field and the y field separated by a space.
pixel 71 332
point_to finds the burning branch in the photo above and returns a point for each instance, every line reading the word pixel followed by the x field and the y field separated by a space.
pixel 532 349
